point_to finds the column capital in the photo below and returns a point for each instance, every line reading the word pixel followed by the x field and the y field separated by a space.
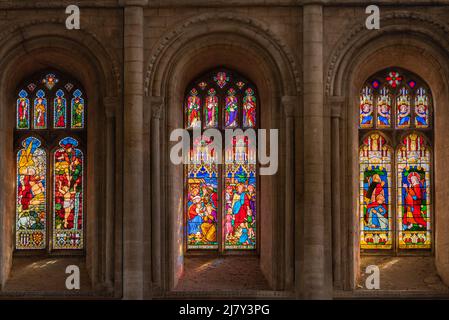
pixel 156 104
pixel 289 103
pixel 133 3
pixel 110 104
pixel 336 105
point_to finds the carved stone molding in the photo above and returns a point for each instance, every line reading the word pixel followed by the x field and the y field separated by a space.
pixel 390 22
pixel 84 36
pixel 335 104
pixel 260 28
pixel 156 104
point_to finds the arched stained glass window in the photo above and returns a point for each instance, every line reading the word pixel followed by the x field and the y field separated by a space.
pixel 220 199
pixel 43 159
pixel 405 98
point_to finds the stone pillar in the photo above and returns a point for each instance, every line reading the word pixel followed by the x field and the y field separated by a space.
pixel 133 149
pixel 156 240
pixel 289 104
pixel 314 260
pixel 335 105
pixel 110 105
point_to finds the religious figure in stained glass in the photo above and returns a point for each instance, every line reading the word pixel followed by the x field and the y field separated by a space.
pixel 202 198
pixel 384 102
pixel 249 109
pixel 40 110
pixel 23 111
pixel 211 110
pixel 421 109
pixel 366 108
pixel 59 110
pixel 240 197
pixel 231 109
pixel 193 109
pixel 375 193
pixel 403 109
pixel 68 195
pixel 31 195
pixel 413 180
pixel 77 110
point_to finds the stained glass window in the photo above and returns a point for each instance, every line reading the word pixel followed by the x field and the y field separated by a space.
pixel 202 198
pixel 42 105
pixel 249 109
pixel 384 103
pixel 68 195
pixel 221 199
pixel 59 110
pixel 31 208
pixel 375 193
pixel 23 110
pixel 399 217
pixel 366 108
pixel 40 110
pixel 231 109
pixel 193 109
pixel 211 110
pixel 413 195
pixel 421 109
pixel 240 196
pixel 403 109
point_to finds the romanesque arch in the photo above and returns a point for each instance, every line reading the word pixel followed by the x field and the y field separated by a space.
pixel 40 44
pixel 419 47
pixel 193 47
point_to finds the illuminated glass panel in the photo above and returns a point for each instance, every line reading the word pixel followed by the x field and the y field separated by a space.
pixel 384 103
pixel 231 109
pixel 413 193
pixel 403 118
pixel 40 110
pixel 366 108
pixel 375 193
pixel 193 109
pixel 23 111
pixel 68 196
pixel 421 109
pixel 31 207
pixel 211 109
pixel 202 198
pixel 240 196
pixel 59 110
pixel 249 109
pixel 77 110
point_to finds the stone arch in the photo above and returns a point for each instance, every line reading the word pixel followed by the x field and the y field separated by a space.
pixel 255 30
pixel 195 46
pixel 420 47
pixel 37 45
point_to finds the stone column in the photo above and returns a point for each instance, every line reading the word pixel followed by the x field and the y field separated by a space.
pixel 133 149
pixel 110 105
pixel 314 260
pixel 289 104
pixel 156 239
pixel 335 105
